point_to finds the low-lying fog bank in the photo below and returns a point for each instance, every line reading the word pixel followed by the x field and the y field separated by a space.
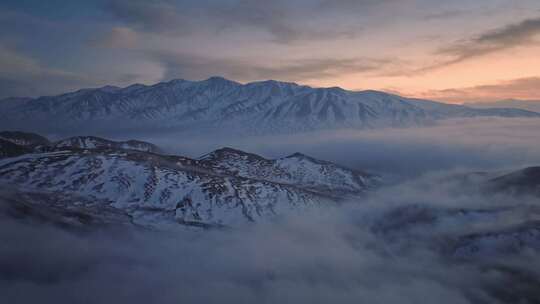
pixel 297 261
pixel 477 143
pixel 361 251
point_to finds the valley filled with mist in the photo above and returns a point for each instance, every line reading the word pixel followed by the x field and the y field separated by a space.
pixel 442 213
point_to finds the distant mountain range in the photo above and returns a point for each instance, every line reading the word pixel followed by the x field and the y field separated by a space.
pixel 221 105
pixel 528 105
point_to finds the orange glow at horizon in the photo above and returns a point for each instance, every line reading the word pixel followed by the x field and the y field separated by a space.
pixel 457 83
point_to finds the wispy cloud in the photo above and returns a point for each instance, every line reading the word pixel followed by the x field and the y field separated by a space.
pixel 302 40
pixel 510 36
pixel 117 37
pixel 159 15
pixel 21 75
pixel 355 5
pixel 444 14
pixel 198 67
pixel 284 21
pixel 523 88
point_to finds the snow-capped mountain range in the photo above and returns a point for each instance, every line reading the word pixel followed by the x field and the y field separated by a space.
pixel 266 107
pixel 223 188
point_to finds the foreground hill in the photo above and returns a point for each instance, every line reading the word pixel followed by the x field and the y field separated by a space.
pixel 298 169
pixel 522 182
pixel 10 149
pixel 218 104
pixel 156 190
pixel 24 139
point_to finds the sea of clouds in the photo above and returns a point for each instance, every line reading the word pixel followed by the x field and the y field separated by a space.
pixel 367 250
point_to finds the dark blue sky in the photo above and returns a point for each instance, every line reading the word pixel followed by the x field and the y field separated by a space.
pixel 453 50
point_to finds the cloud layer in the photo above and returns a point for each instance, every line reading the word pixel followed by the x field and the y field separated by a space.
pixel 522 88
pixel 476 144
pixel 510 36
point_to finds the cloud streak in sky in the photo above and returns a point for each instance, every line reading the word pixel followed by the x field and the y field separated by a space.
pixel 154 16
pixel 187 65
pixel 285 22
pixel 523 88
pixel 23 76
pixel 506 37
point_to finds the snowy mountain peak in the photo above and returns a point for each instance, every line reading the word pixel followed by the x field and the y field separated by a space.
pixel 273 83
pixel 301 156
pixel 227 153
pixel 110 89
pixel 220 80
pixel 134 87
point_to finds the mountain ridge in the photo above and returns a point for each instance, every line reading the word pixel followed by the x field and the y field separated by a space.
pixel 217 104
pixel 529 105
pixel 87 142
pixel 155 190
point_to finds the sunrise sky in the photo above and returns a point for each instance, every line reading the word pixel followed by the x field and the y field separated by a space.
pixel 455 51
